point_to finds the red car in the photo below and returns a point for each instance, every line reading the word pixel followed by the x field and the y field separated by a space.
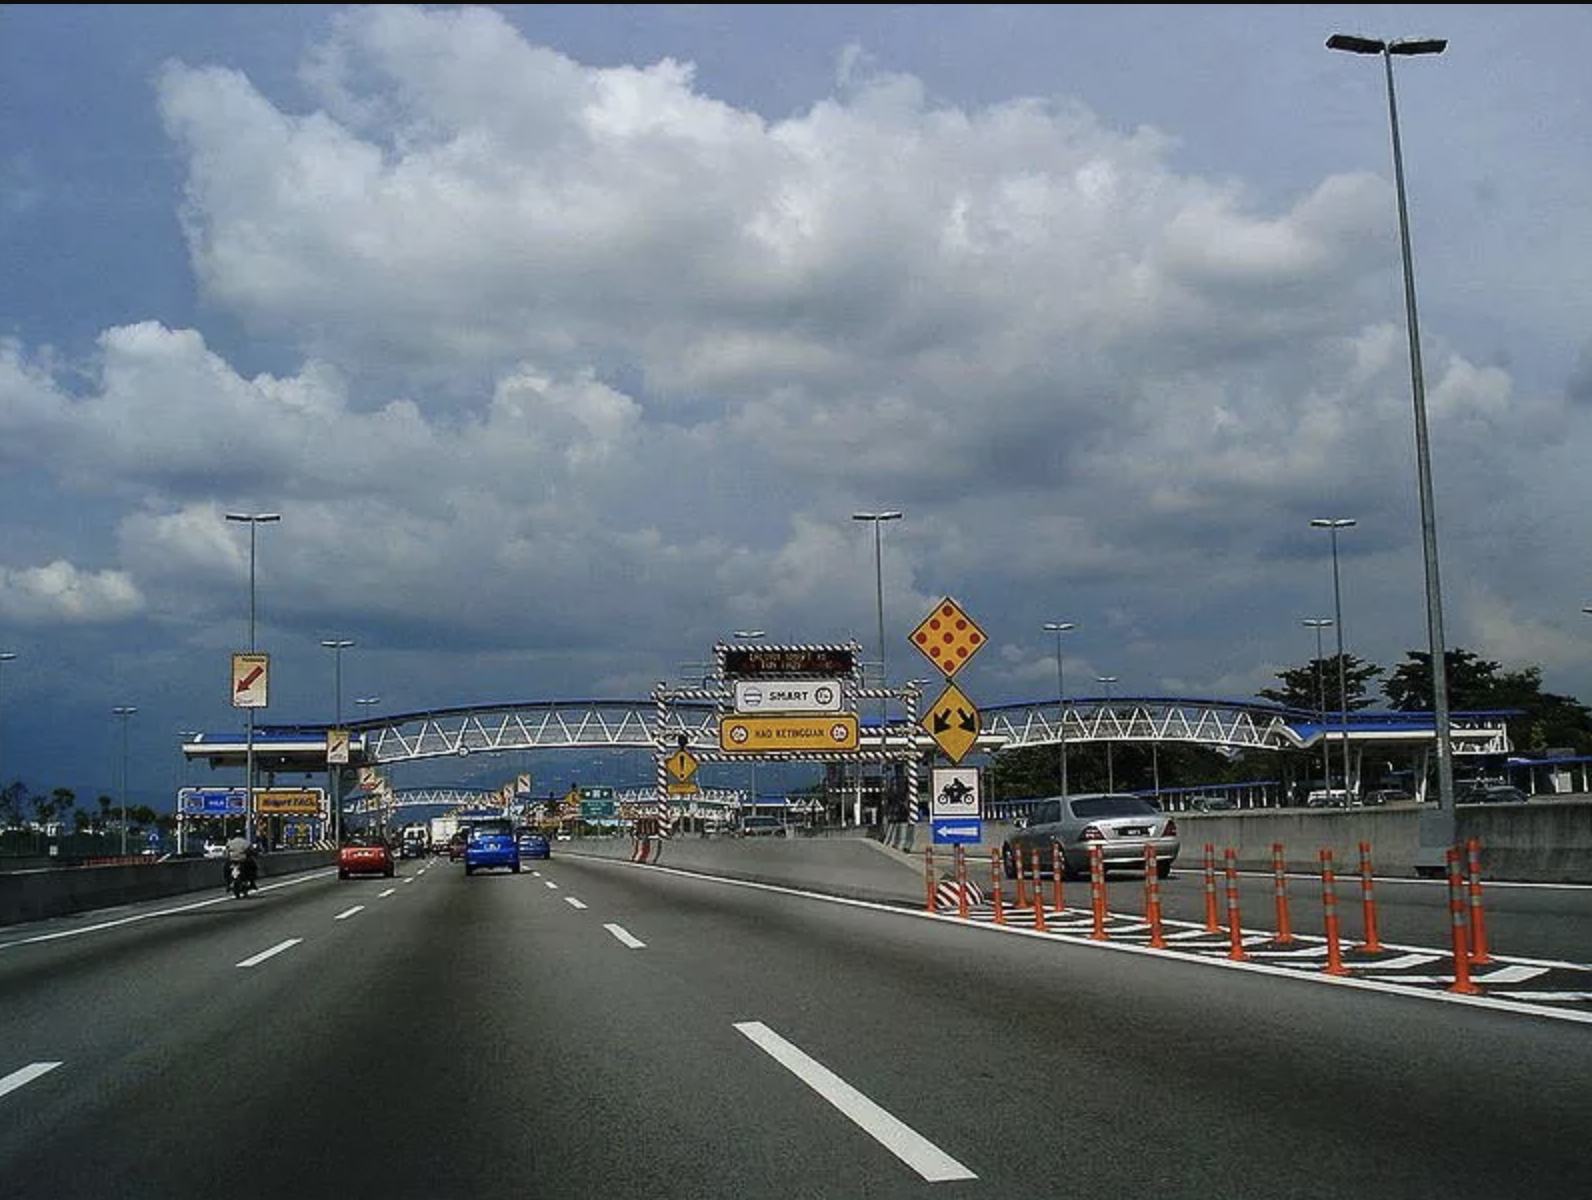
pixel 364 856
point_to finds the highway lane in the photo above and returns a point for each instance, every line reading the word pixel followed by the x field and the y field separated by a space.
pixel 596 1028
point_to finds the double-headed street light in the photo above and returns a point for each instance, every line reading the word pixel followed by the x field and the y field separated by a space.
pixel 254 521
pixel 878 519
pixel 335 770
pixel 1111 775
pixel 1318 624
pixel 1437 830
pixel 1332 525
pixel 122 712
pixel 1058 628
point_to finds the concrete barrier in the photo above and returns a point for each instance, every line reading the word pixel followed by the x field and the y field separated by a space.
pixel 59 891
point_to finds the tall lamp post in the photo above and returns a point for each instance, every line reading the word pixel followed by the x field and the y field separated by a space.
pixel 878 519
pixel 5 657
pixel 1332 525
pixel 1318 624
pixel 366 703
pixel 254 521
pixel 1111 775
pixel 1437 829
pixel 122 712
pixel 1058 628
pixel 751 635
pixel 335 770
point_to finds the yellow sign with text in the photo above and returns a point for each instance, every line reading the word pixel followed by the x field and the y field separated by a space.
pixel 784 733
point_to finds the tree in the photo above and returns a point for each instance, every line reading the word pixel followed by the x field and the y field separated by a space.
pixel 1300 685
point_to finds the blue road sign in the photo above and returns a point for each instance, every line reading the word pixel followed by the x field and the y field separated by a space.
pixel 956 829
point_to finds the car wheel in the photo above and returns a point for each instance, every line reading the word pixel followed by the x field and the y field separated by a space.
pixel 516 868
pixel 342 874
pixel 468 869
pixel 388 872
pixel 1008 862
pixel 1163 869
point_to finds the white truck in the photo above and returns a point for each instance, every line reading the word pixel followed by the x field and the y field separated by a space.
pixel 441 829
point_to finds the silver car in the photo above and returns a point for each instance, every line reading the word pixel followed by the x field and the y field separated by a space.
pixel 1121 825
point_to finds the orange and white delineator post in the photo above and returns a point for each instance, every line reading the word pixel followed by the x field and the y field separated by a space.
pixel 1152 898
pixel 1097 891
pixel 1057 863
pixel 1039 893
pixel 995 886
pixel 1478 924
pixel 1211 924
pixel 1279 875
pixel 1022 878
pixel 1456 912
pixel 1329 909
pixel 1371 945
pixel 1234 923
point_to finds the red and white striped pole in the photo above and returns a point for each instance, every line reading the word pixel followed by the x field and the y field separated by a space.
pixel 1371 945
pixel 1456 913
pixel 1279 874
pixel 1329 908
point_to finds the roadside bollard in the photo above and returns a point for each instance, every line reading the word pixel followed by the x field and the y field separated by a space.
pixel 1456 913
pixel 995 885
pixel 1058 872
pixel 1478 925
pixel 1022 877
pixel 1371 945
pixel 1211 924
pixel 1152 898
pixel 1097 891
pixel 1329 909
pixel 1235 932
pixel 1039 893
pixel 928 877
pixel 1279 873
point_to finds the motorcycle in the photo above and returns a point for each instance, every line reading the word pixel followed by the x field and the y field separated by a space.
pixel 240 879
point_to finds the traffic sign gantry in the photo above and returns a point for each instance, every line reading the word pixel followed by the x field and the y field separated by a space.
pixel 948 637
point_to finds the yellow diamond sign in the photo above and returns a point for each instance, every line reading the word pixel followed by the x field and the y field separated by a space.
pixel 953 722
pixel 948 637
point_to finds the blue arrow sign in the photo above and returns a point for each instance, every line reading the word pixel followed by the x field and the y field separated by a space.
pixel 948 830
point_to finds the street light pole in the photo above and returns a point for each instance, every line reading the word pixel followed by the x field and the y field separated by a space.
pixel 1332 525
pixel 254 521
pixel 1111 775
pixel 1058 628
pixel 5 657
pixel 878 519
pixel 366 702
pixel 751 635
pixel 1438 829
pixel 335 770
pixel 122 712
pixel 1318 624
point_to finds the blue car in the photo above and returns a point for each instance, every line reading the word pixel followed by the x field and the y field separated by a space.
pixel 534 844
pixel 491 846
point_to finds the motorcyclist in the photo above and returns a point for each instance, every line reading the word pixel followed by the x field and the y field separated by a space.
pixel 241 852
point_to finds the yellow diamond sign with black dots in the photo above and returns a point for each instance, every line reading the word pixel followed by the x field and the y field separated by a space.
pixel 948 637
pixel 953 722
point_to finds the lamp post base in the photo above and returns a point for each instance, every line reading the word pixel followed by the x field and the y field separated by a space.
pixel 1438 833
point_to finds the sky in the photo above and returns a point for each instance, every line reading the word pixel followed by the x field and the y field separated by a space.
pixel 566 340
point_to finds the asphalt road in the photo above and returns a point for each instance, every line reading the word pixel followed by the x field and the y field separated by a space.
pixel 601 1029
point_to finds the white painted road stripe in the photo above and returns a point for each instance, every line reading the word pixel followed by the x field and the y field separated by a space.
pixel 271 953
pixel 911 1147
pixel 348 912
pixel 624 936
pixel 572 902
pixel 548 883
pixel 384 895
pixel 26 1075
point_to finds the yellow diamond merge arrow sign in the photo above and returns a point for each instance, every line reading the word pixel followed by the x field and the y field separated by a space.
pixel 953 722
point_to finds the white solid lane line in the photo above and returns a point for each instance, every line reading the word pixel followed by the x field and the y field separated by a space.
pixel 911 1147
pixel 11 1082
pixel 271 953
pixel 625 936
pixel 348 912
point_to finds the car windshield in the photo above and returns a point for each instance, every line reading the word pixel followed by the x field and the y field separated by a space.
pixel 1111 806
